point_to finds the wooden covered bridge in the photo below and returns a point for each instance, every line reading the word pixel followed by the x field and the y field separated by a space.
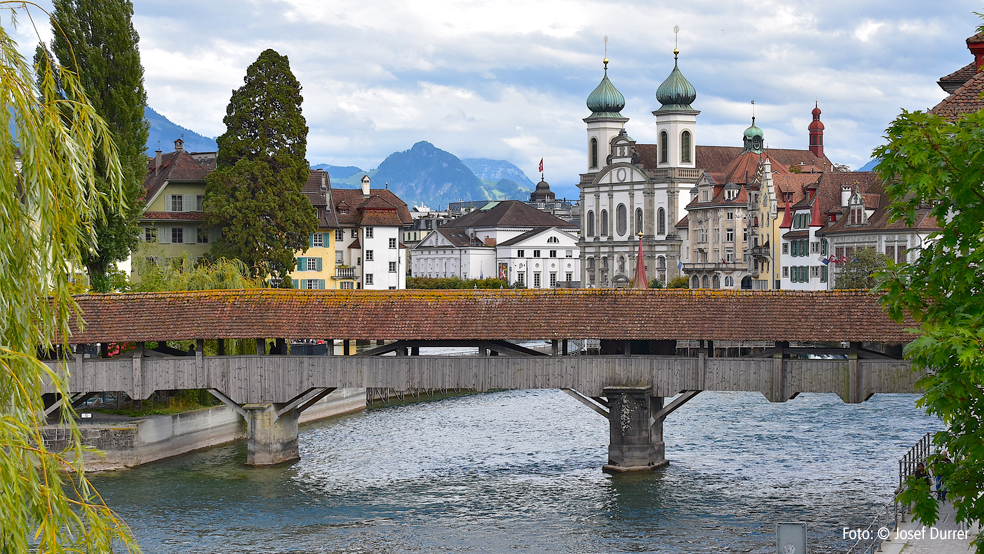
pixel 836 342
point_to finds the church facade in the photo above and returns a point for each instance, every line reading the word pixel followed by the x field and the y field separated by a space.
pixel 707 213
pixel 636 192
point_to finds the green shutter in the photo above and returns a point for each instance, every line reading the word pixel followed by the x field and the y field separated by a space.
pixel 311 240
pixel 326 239
pixel 319 263
pixel 295 282
pixel 321 284
pixel 301 264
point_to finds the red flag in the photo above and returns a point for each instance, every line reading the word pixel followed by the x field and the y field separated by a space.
pixel 541 165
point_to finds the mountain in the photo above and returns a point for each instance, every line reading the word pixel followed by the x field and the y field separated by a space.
pixel 870 166
pixel 495 170
pixel 339 171
pixel 163 133
pixel 428 175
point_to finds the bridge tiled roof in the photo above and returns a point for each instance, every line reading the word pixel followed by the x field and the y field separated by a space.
pixel 492 315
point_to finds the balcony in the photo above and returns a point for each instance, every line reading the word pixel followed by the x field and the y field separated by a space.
pixel 761 252
pixel 705 266
pixel 343 272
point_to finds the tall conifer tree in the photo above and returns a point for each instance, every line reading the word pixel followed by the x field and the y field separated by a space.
pixel 96 39
pixel 254 194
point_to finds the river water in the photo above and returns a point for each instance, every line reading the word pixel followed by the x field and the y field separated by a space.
pixel 519 471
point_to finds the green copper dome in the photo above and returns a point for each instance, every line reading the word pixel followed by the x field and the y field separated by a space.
pixel 753 131
pixel 606 100
pixel 754 139
pixel 676 92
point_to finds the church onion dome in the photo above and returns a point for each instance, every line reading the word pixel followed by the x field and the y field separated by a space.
pixel 605 100
pixel 676 92
pixel 754 131
pixel 816 123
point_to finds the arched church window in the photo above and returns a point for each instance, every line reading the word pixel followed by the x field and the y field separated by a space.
pixel 685 147
pixel 604 223
pixel 591 224
pixel 664 147
pixel 638 225
pixel 620 219
pixel 594 153
pixel 660 262
pixel 717 282
pixel 661 221
pixel 707 282
pixel 696 283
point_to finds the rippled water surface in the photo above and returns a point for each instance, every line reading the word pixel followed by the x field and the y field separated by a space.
pixel 520 471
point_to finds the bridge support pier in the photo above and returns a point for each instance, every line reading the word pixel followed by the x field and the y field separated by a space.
pixel 636 436
pixel 271 438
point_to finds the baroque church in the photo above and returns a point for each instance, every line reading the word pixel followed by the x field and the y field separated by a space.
pixel 634 193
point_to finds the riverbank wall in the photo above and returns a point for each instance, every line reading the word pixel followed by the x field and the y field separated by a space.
pixel 128 442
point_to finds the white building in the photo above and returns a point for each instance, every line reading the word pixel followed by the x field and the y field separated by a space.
pixel 630 190
pixel 508 240
pixel 367 243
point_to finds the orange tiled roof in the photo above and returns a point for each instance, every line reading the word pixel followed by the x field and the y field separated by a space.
pixel 492 315
pixel 965 100
pixel 175 166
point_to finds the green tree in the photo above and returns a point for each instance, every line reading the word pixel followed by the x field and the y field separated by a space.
pixel 935 165
pixel 52 147
pixel 682 282
pixel 861 271
pixel 96 39
pixel 254 194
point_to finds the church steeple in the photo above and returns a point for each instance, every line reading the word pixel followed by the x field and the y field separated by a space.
pixel 816 133
pixel 605 121
pixel 605 100
pixel 754 139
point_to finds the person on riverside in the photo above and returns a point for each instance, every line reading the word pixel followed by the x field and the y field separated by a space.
pixel 939 470
pixel 921 473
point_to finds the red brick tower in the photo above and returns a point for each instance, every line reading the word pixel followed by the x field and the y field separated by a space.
pixel 816 134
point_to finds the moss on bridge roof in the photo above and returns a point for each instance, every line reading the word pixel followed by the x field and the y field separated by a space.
pixel 489 314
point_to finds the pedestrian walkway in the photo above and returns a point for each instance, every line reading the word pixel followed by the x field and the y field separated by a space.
pixel 947 536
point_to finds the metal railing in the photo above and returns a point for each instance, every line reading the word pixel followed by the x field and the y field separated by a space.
pixel 888 518
pixel 915 455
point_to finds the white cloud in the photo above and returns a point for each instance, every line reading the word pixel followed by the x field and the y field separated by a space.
pixel 508 79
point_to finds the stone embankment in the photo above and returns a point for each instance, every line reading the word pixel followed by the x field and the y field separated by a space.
pixel 128 442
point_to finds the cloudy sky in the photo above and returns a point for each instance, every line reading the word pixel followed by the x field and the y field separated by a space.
pixel 508 79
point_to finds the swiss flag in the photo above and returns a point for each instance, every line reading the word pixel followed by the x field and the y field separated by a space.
pixel 541 165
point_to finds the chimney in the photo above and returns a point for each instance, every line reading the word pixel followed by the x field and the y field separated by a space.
pixel 179 145
pixel 816 133
pixel 365 186
pixel 976 46
pixel 845 195
pixel 158 160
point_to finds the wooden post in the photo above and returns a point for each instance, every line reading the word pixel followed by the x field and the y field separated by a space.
pixel 779 373
pixel 260 347
pixel 221 347
pixel 855 378
pixel 564 347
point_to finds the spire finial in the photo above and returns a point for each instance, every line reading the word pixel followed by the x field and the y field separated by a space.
pixel 606 53
pixel 676 41
pixel 753 112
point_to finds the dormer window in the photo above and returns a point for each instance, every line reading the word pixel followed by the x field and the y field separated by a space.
pixel 856 209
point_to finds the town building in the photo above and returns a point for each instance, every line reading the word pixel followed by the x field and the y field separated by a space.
pixel 368 250
pixel 964 85
pixel 315 266
pixel 509 240
pixel 659 190
pixel 172 223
